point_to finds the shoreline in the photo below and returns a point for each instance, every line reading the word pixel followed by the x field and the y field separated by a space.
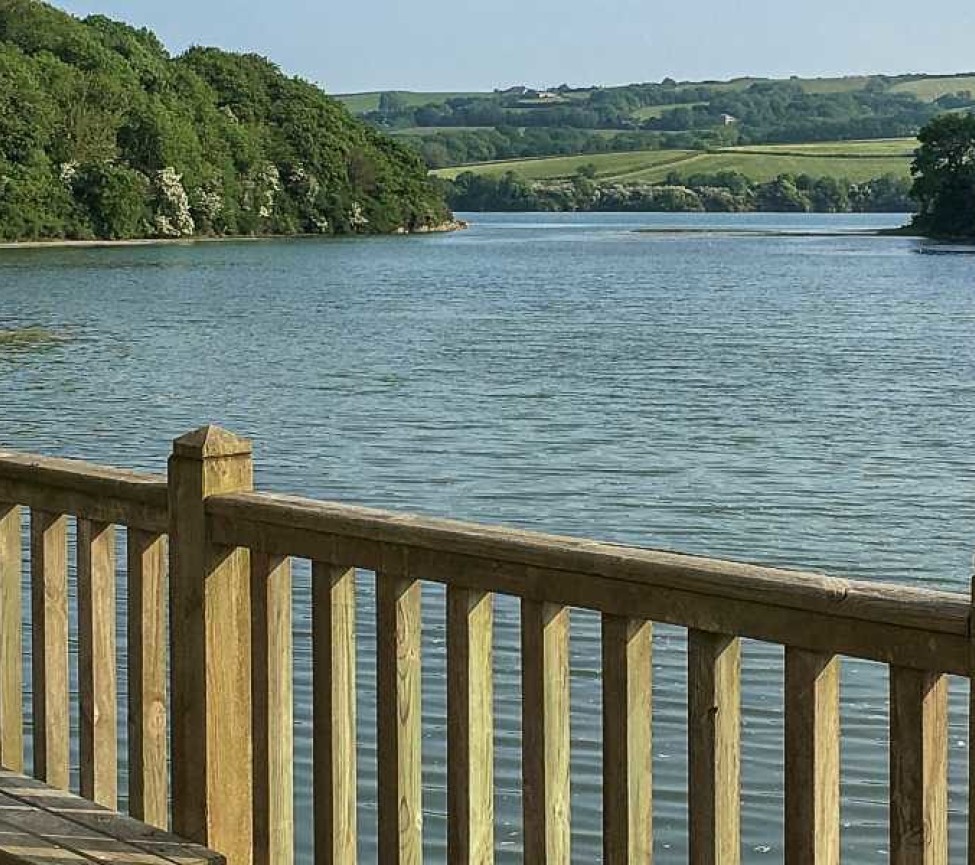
pixel 60 243
pixel 777 232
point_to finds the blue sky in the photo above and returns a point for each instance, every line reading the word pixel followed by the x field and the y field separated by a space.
pixel 463 45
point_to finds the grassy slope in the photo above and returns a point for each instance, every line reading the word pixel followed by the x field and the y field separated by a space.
pixel 853 160
pixel 658 110
pixel 609 166
pixel 360 103
pixel 931 88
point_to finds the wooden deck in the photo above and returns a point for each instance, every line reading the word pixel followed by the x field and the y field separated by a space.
pixel 40 825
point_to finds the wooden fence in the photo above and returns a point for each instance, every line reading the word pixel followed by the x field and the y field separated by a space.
pixel 225 677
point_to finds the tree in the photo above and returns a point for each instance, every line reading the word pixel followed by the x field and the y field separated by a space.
pixel 103 133
pixel 944 177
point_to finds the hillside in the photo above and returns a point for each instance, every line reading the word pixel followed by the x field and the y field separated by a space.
pixel 857 161
pixel 104 135
pixel 450 129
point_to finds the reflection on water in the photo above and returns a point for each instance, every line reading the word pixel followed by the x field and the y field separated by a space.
pixel 792 400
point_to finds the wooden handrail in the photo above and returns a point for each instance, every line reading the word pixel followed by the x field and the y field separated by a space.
pixel 911 626
pixel 83 489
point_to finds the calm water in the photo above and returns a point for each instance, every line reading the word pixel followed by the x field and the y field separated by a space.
pixel 800 401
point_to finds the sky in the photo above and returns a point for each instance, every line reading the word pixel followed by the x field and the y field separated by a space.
pixel 464 45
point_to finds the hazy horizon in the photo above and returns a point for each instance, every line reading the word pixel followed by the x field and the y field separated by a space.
pixel 387 46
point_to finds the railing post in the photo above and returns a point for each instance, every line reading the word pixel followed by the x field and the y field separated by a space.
pixel 714 755
pixel 812 758
pixel 212 748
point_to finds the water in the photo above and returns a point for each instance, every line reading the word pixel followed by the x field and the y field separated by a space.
pixel 799 401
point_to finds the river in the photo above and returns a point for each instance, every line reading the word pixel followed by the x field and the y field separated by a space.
pixel 793 400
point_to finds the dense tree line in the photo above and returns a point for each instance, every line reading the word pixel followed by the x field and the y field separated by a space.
pixel 103 134
pixel 782 111
pixel 727 191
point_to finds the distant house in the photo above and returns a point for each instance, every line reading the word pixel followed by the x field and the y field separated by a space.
pixel 728 119
pixel 548 94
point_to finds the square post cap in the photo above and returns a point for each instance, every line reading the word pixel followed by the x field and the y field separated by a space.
pixel 211 441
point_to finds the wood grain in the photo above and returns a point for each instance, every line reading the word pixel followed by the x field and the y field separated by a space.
pixel 147 653
pixel 54 836
pixel 713 730
pixel 98 493
pixel 545 732
pixel 210 654
pixel 398 711
pixel 273 712
pixel 918 768
pixel 334 723
pixel 49 646
pixel 910 627
pixel 812 758
pixel 11 639
pixel 258 516
pixel 100 820
pixel 627 653
pixel 470 727
pixel 97 688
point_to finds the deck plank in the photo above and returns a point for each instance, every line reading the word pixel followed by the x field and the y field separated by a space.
pixel 20 847
pixel 58 834
pixel 94 818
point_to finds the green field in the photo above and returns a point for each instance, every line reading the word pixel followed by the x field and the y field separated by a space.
pixel 931 88
pixel 654 111
pixel 609 166
pixel 421 131
pixel 873 147
pixel 853 160
pixel 360 103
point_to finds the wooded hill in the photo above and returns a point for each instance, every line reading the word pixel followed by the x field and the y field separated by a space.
pixel 104 135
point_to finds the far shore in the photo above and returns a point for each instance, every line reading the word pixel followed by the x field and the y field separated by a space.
pixel 443 228
pixel 780 232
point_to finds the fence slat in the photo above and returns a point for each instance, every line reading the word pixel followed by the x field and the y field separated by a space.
pixel 713 729
pixel 333 695
pixel 545 731
pixel 273 712
pixel 97 690
pixel 146 629
pixel 918 767
pixel 470 727
pixel 627 651
pixel 398 719
pixel 49 644
pixel 11 640
pixel 812 758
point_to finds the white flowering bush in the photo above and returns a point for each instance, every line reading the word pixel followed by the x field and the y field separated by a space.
pixel 208 203
pixel 68 172
pixel 268 183
pixel 357 218
pixel 173 217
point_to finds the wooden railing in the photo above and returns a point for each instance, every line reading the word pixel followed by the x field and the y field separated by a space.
pixel 228 663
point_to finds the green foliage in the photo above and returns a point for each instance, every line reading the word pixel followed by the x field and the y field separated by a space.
pixel 452 129
pixel 944 177
pixel 726 191
pixel 103 134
